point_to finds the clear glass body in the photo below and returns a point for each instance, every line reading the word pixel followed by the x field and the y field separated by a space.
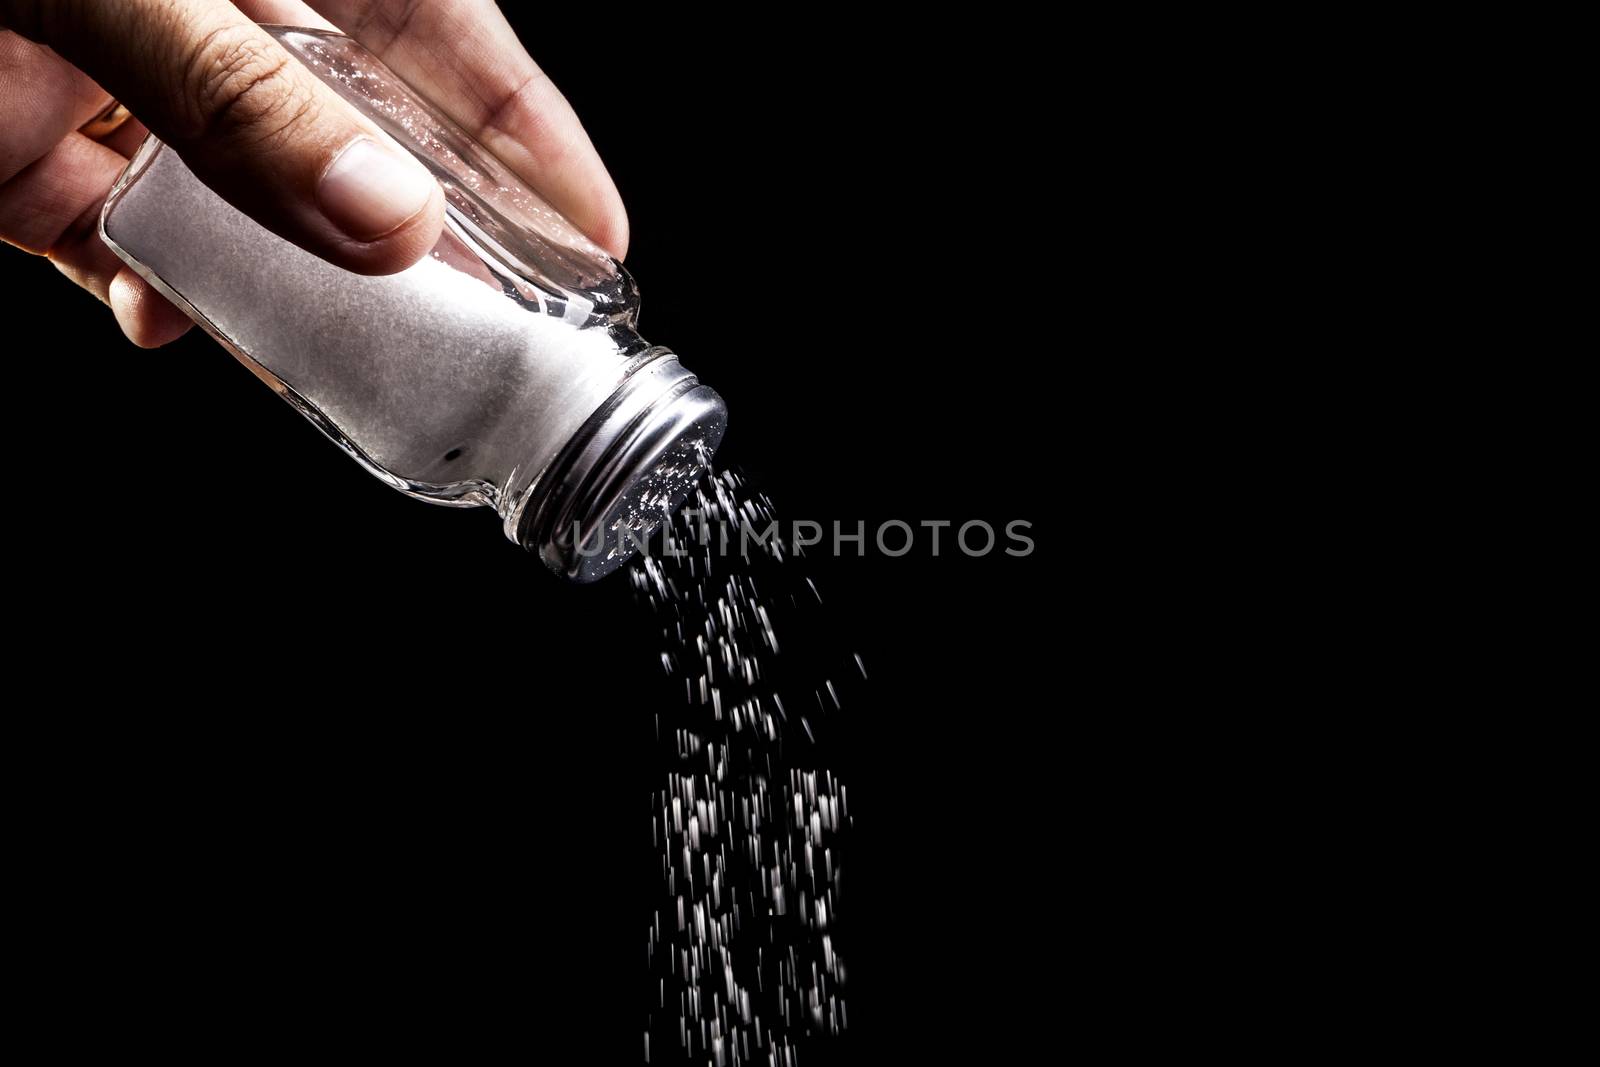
pixel 463 380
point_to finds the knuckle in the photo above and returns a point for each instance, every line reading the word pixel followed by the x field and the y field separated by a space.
pixel 242 89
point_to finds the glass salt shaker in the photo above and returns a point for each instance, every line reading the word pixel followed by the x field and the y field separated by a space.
pixel 501 370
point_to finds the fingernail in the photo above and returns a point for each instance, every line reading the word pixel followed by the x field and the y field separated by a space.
pixel 369 191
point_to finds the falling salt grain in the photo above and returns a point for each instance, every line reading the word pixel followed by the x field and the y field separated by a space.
pixel 739 826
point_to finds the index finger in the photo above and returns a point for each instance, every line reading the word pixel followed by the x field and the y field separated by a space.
pixel 466 58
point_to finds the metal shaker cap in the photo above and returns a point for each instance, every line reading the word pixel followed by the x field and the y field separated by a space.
pixel 625 472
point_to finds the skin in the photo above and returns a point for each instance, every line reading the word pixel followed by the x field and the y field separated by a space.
pixel 258 128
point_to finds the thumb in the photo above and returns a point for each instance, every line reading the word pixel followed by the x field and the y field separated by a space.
pixel 251 123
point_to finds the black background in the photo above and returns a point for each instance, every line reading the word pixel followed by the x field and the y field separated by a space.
pixel 313 750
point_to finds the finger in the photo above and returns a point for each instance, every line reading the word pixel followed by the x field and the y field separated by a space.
pixel 284 13
pixel 484 79
pixel 294 13
pixel 147 318
pixel 126 139
pixel 40 205
pixel 42 99
pixel 251 123
pixel 52 208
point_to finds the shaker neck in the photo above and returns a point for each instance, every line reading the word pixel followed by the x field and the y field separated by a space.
pixel 626 470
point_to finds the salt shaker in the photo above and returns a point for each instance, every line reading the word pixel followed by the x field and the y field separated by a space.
pixel 502 370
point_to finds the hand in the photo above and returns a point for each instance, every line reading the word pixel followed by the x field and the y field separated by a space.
pixel 265 133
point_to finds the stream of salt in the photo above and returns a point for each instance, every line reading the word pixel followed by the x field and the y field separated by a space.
pixel 750 825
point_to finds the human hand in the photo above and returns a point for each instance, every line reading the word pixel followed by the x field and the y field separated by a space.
pixel 263 132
